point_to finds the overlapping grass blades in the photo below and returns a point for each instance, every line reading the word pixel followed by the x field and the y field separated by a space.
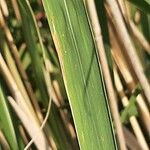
pixel 34 46
pixel 79 63
pixel 38 55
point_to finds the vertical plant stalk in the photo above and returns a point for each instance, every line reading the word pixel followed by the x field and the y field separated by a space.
pixel 134 30
pixel 4 8
pixel 3 141
pixel 16 9
pixel 139 36
pixel 106 72
pixel 132 119
pixel 122 31
pixel 14 88
pixel 126 72
pixel 131 86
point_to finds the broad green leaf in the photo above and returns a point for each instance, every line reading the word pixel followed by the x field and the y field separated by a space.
pixel 79 63
pixel 6 121
pixel 144 5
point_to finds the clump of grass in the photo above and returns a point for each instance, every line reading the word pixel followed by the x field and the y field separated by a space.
pixel 73 74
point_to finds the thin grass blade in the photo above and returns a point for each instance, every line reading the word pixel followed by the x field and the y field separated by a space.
pixel 6 121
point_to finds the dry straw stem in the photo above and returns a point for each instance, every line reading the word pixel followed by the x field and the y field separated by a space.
pixel 4 8
pixel 132 119
pixel 57 97
pixel 16 9
pixel 130 82
pixel 31 126
pixel 23 134
pixel 14 88
pixel 106 73
pixel 125 38
pixel 18 96
pixel 137 17
pixel 134 30
pixel 3 141
pixel 131 140
pixel 122 7
pixel 127 74
pixel 20 66
pixel 13 69
pixel 139 36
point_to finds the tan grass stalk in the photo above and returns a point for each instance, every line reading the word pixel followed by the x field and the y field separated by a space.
pixel 128 75
pixel 3 141
pixel 23 134
pixel 14 89
pixel 130 82
pixel 4 8
pixel 30 125
pixel 51 95
pixel 139 36
pixel 131 140
pixel 137 17
pixel 125 38
pixel 16 9
pixel 122 7
pixel 134 30
pixel 106 73
pixel 20 66
pixel 132 119
pixel 36 135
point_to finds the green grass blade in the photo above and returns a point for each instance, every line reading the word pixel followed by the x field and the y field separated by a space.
pixel 73 40
pixel 34 46
pixel 6 122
